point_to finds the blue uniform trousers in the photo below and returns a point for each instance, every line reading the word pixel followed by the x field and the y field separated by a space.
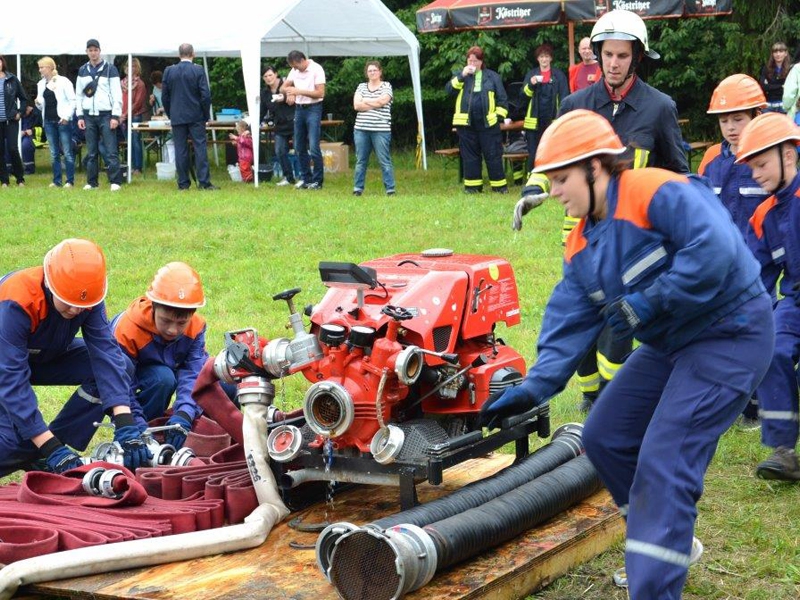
pixel 181 134
pixel 777 394
pixel 73 424
pixel 155 385
pixel 653 431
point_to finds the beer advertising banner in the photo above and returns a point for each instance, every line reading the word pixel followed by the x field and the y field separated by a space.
pixel 502 13
pixel 434 16
pixel 708 8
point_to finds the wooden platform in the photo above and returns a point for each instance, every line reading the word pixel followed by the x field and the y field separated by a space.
pixel 277 571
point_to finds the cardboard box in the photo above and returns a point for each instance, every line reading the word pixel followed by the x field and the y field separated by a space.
pixel 335 156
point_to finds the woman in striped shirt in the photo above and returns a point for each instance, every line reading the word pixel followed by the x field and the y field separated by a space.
pixel 373 128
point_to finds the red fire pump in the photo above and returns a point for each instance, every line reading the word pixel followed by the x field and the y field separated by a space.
pixel 401 355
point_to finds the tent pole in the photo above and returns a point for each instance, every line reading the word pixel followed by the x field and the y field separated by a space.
pixel 210 117
pixel 19 129
pixel 130 113
pixel 571 39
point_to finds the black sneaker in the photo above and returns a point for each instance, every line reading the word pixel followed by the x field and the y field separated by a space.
pixel 781 465
pixel 390 193
pixel 357 192
pixel 209 188
pixel 587 402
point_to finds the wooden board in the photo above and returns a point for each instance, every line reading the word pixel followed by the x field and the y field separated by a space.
pixel 276 571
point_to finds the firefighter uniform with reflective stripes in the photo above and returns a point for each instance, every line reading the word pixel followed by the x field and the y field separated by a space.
pixel 646 120
pixel 40 347
pixel 775 240
pixel 543 102
pixel 481 104
pixel 162 367
pixel 733 184
pixel 652 433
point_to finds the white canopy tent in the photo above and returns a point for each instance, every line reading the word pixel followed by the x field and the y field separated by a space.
pixel 315 27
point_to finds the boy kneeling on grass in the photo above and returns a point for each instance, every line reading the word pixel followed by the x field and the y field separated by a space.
pixel 164 337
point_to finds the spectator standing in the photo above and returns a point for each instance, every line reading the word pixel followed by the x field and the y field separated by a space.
pixel 769 147
pixel 244 150
pixel 773 75
pixel 586 72
pixel 306 82
pixel 55 96
pixel 155 101
pixel 646 120
pixel 373 128
pixel 41 311
pixel 99 110
pixel 481 104
pixel 544 90
pixel 654 256
pixel 277 111
pixel 187 103
pixel 139 110
pixel 12 106
pixel 791 92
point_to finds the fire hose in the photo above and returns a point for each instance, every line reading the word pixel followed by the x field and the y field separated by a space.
pixel 170 548
pixel 396 555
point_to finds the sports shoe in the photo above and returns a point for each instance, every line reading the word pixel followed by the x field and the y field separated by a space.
pixel 283 182
pixel 390 192
pixel 314 186
pixel 208 188
pixel 620 576
pixel 357 192
pixel 89 186
pixel 781 465
pixel 67 185
pixel 749 423
pixel 53 185
pixel 301 185
pixel 115 187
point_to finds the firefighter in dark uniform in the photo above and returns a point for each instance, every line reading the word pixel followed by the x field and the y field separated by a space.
pixel 481 105
pixel 646 121
pixel 544 90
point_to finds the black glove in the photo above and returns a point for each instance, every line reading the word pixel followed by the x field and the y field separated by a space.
pixel 511 401
pixel 58 457
pixel 177 437
pixel 135 452
pixel 627 314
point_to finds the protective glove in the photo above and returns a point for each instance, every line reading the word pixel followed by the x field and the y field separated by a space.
pixel 525 205
pixel 126 433
pixel 58 457
pixel 177 437
pixel 511 401
pixel 627 314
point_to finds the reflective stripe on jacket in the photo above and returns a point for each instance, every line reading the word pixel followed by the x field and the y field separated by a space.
pixel 492 97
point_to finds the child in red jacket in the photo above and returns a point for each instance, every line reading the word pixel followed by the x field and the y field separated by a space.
pixel 244 149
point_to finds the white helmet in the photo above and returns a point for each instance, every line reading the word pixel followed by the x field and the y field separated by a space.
pixel 621 25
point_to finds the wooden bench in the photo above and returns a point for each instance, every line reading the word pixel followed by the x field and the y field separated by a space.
pixel 695 149
pixel 509 158
pixel 450 155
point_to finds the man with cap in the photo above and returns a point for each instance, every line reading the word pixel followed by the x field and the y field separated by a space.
pixel 99 107
pixel 41 311
pixel 646 120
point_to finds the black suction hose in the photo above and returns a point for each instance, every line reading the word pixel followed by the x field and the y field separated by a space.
pixel 565 446
pixel 464 535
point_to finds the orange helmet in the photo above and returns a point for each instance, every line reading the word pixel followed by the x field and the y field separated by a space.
pixel 177 285
pixel 75 273
pixel 573 137
pixel 764 132
pixel 735 93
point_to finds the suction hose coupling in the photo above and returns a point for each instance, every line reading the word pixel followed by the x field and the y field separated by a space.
pixel 100 482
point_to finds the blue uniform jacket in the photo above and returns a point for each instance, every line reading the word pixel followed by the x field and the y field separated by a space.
pixel 138 337
pixel 774 238
pixel 185 93
pixel 645 119
pixel 31 329
pixel 666 236
pixel 734 184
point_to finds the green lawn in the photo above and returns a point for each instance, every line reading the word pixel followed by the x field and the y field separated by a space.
pixel 249 244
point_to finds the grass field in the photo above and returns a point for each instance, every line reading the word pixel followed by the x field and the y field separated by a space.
pixel 249 244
